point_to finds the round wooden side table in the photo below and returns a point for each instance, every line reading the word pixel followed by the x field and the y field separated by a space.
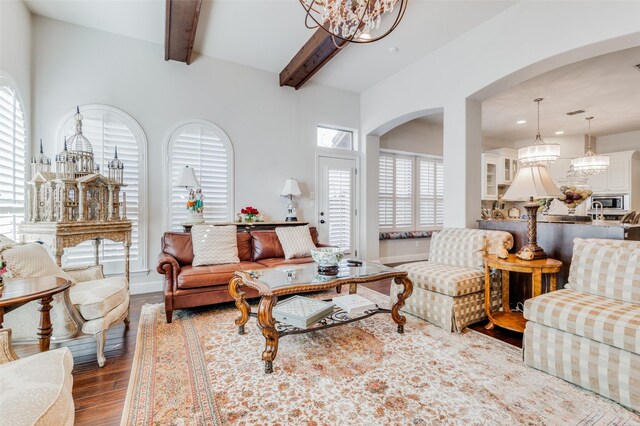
pixel 515 320
pixel 18 291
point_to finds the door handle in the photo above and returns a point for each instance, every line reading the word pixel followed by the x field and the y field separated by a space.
pixel 321 220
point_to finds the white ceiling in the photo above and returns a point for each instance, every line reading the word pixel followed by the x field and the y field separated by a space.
pixel 607 87
pixel 265 34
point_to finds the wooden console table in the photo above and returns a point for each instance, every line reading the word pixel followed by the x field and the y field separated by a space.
pixel 249 226
pixel 515 320
pixel 61 235
pixel 18 291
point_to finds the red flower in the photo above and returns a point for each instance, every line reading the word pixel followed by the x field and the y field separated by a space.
pixel 250 210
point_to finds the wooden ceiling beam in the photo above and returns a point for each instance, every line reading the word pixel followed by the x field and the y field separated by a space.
pixel 181 22
pixel 315 53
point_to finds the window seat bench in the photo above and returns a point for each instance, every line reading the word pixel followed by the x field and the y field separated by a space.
pixel 402 235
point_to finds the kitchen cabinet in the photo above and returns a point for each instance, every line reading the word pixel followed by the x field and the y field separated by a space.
pixel 490 164
pixel 507 164
pixel 618 177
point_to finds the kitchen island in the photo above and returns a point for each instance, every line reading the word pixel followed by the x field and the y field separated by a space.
pixel 556 238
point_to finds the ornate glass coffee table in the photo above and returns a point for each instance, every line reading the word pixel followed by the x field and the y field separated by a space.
pixel 280 281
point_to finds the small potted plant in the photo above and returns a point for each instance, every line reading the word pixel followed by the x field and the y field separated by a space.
pixel 249 214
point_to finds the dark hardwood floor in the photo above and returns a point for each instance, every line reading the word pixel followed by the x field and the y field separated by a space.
pixel 99 393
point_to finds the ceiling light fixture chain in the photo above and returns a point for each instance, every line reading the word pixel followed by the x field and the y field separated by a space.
pixel 539 153
pixel 352 21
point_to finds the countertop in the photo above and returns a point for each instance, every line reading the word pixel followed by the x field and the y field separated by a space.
pixel 605 223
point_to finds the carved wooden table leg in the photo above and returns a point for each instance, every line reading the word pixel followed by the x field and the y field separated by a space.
pixel 241 303
pixel 45 328
pixel 487 296
pixel 395 310
pixel 353 288
pixel 268 326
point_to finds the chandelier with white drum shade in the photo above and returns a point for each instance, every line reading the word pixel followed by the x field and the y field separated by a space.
pixel 539 153
pixel 591 163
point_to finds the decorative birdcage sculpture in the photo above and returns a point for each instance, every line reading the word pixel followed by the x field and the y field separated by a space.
pixel 76 191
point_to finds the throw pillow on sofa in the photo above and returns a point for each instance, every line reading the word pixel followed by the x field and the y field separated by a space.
pixel 296 241
pixel 214 245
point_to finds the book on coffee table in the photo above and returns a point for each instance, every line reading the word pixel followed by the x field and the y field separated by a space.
pixel 354 303
pixel 301 312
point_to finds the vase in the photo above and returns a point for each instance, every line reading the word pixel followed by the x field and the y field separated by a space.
pixel 575 191
pixel 249 218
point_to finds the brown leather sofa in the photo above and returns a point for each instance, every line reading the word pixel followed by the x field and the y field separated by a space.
pixel 188 286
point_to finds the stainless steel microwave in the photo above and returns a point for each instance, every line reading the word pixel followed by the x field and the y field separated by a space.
pixel 618 202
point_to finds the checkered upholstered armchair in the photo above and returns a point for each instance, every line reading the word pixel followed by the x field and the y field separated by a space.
pixel 448 289
pixel 589 332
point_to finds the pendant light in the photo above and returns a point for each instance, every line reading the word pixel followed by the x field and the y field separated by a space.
pixel 540 153
pixel 591 163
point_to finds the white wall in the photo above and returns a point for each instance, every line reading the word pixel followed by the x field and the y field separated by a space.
pixel 495 55
pixel 419 136
pixel 15 49
pixel 619 142
pixel 272 128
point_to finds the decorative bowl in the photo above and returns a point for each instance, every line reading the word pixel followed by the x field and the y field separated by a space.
pixel 327 256
pixel 575 191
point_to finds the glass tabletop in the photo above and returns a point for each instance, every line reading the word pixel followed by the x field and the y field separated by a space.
pixel 307 273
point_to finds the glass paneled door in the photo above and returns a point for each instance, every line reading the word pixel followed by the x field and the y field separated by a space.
pixel 337 202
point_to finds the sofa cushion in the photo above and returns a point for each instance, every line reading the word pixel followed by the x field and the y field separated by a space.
pixel 278 261
pixel 458 247
pixel 445 279
pixel 94 299
pixel 211 275
pixel 296 241
pixel 214 245
pixel 598 318
pixel 178 245
pixel 36 390
pixel 265 245
pixel 608 268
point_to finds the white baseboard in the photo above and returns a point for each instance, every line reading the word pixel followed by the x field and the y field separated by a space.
pixel 146 287
pixel 405 258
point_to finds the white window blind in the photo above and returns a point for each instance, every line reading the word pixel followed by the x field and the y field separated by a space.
pixel 12 161
pixel 208 152
pixel 105 131
pixel 411 192
pixel 430 203
pixel 340 208
pixel 395 191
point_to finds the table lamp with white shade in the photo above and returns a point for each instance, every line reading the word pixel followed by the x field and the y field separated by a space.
pixel 195 207
pixel 532 182
pixel 290 190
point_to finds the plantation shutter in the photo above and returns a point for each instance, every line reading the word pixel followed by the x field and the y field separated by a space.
pixel 431 181
pixel 12 162
pixel 385 192
pixel 105 132
pixel 404 192
pixel 201 148
pixel 340 207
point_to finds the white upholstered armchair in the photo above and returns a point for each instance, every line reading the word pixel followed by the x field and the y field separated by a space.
pixel 92 304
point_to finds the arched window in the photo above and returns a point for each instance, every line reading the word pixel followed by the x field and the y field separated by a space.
pixel 107 127
pixel 207 148
pixel 13 147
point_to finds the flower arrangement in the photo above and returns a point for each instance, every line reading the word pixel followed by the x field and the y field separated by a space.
pixel 250 213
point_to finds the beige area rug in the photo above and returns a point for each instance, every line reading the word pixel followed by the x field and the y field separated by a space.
pixel 199 371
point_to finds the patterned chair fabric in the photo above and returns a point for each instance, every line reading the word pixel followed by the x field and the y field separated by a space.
pixel 37 390
pixel 446 279
pixel 595 319
pixel 449 287
pixel 607 268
